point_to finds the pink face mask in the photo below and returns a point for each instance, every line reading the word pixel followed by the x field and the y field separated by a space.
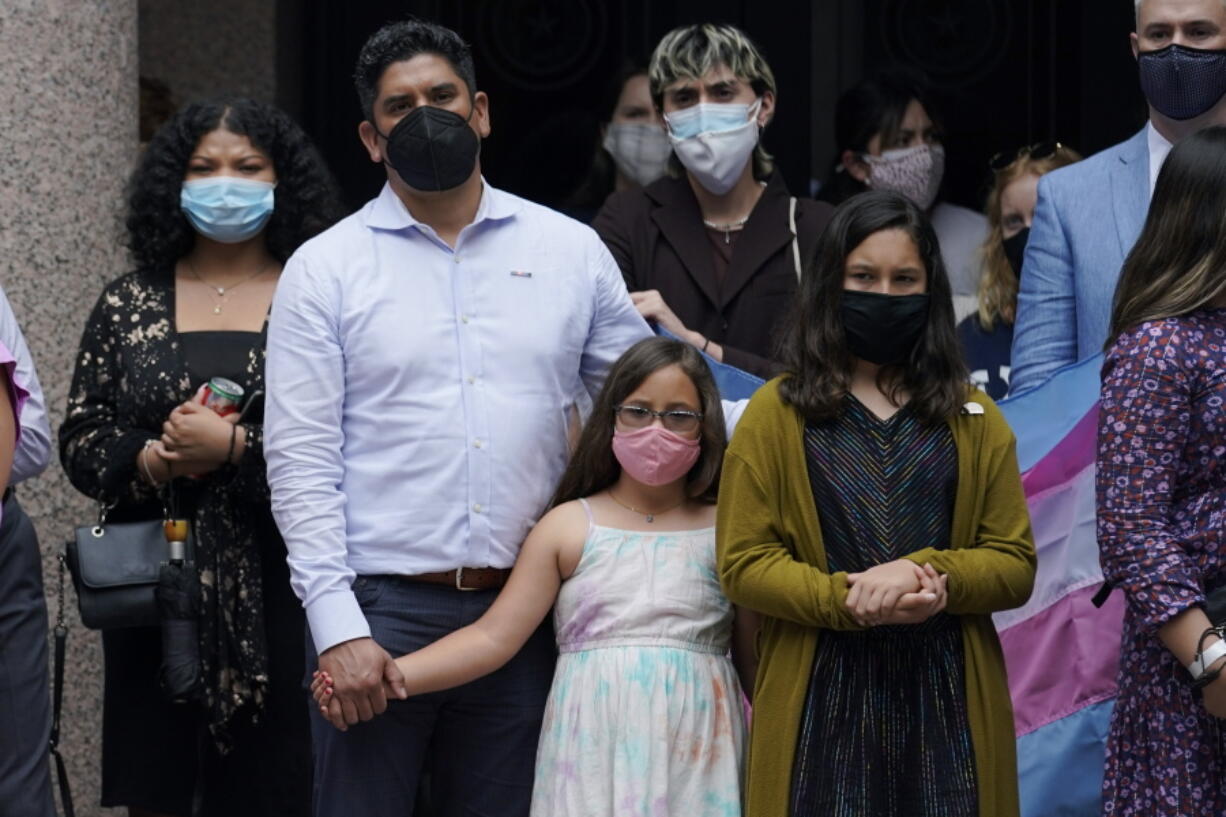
pixel 654 455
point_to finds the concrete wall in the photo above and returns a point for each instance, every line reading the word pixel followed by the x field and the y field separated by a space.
pixel 68 112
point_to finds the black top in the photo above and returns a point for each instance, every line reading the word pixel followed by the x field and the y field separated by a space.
pixel 219 354
pixel 885 729
pixel 131 372
pixel 225 354
pixel 987 354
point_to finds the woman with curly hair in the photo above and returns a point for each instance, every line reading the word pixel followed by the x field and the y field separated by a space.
pixel 223 194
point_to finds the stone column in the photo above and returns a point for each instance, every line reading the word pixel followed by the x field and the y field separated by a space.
pixel 68 135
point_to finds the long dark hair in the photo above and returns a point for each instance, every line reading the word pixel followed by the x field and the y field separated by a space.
pixel 874 106
pixel 813 348
pixel 593 467
pixel 601 176
pixel 306 199
pixel 1178 264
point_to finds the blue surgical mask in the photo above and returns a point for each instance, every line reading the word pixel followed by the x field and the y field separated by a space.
pixel 227 209
pixel 708 117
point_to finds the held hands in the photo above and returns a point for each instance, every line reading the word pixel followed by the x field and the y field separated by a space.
pixel 354 680
pixel 196 439
pixel 916 608
pixel 897 592
pixel 324 690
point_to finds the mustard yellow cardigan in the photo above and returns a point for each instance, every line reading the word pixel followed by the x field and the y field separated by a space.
pixel 771 559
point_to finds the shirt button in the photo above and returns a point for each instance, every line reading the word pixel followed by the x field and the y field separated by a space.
pixel 457 259
pixel 463 319
pixel 471 380
pixel 477 508
pixel 476 443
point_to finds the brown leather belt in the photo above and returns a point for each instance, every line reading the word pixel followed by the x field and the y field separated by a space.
pixel 466 578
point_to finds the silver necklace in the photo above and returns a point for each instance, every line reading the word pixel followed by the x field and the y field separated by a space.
pixel 650 516
pixel 221 291
pixel 728 228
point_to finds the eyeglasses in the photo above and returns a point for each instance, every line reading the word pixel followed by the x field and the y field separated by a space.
pixel 674 419
pixel 1035 152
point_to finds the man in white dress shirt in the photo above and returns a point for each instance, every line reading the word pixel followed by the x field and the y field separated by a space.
pixel 423 358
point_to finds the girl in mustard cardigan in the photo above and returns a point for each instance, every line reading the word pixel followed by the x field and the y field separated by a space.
pixel 871 508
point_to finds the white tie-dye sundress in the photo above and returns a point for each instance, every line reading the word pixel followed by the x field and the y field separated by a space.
pixel 645 717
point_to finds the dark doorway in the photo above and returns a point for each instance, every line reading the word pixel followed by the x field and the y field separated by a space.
pixel 1007 73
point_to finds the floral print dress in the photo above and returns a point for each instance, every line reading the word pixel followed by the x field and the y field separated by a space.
pixel 1161 535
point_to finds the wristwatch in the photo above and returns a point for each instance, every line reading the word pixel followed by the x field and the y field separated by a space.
pixel 1203 660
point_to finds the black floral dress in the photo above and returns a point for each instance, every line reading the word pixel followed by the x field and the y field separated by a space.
pixel 131 372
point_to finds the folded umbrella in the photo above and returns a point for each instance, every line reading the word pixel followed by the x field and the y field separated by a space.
pixel 178 599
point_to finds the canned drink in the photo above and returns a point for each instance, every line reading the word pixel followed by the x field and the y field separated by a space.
pixel 222 396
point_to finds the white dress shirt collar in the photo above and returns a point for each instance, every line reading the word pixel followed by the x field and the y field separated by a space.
pixel 1159 147
pixel 389 212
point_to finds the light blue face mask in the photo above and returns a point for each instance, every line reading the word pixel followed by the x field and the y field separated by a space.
pixel 709 117
pixel 227 209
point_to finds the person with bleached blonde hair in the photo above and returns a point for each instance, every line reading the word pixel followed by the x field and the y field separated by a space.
pixel 712 252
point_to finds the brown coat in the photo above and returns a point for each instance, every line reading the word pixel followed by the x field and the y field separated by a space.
pixel 658 238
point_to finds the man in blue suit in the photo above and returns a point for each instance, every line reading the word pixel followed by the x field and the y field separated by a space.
pixel 1090 214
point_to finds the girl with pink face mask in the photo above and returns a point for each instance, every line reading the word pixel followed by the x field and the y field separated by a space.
pixel 645 715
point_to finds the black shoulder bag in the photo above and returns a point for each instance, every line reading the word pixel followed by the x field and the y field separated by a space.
pixel 115 569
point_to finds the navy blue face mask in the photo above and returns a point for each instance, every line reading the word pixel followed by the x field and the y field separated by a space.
pixel 1180 82
pixel 1015 250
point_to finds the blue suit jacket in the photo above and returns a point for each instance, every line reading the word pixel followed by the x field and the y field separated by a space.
pixel 1088 217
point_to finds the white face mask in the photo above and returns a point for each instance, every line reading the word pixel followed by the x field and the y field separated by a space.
pixel 714 140
pixel 640 151
pixel 915 172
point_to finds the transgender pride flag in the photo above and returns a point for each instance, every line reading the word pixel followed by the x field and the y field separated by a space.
pixel 1061 652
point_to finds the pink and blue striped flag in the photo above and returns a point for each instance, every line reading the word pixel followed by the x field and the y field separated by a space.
pixel 1061 652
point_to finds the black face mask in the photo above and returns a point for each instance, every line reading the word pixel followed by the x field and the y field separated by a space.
pixel 1182 83
pixel 433 148
pixel 1015 250
pixel 883 328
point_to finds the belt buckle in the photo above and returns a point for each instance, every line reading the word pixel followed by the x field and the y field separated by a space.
pixel 459 581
